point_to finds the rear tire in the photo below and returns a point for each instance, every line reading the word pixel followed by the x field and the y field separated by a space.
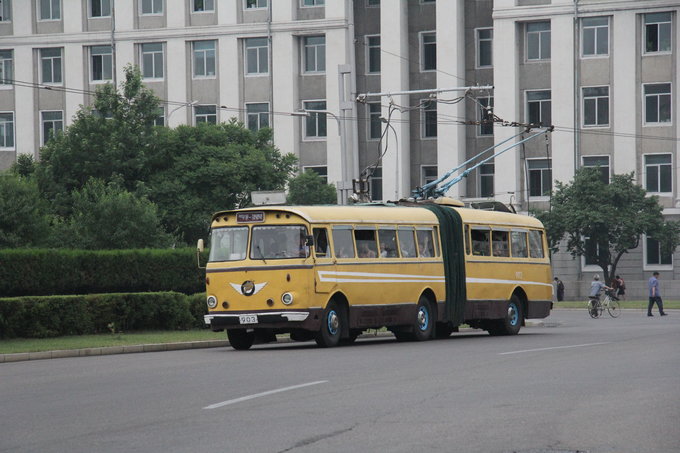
pixel 240 339
pixel 593 310
pixel 331 326
pixel 423 327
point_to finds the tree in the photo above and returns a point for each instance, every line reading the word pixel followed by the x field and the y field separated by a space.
pixel 309 188
pixel 602 222
pixel 23 222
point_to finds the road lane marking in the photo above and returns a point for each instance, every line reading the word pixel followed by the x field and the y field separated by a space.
pixel 258 395
pixel 549 349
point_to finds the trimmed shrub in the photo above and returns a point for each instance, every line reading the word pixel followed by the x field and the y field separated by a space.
pixel 40 272
pixel 41 317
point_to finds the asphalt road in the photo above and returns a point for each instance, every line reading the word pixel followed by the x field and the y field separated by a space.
pixel 573 384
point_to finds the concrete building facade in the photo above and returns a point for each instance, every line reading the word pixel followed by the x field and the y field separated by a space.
pixel 603 72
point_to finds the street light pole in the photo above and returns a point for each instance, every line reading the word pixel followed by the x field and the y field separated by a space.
pixel 186 104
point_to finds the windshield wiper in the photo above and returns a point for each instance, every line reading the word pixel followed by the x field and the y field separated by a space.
pixel 261 254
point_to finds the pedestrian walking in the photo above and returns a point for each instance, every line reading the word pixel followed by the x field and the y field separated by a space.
pixel 655 295
pixel 620 286
pixel 559 289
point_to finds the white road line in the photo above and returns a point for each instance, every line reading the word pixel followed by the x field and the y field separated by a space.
pixel 549 349
pixel 258 395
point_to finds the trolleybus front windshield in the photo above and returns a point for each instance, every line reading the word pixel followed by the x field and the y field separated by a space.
pixel 228 244
pixel 279 241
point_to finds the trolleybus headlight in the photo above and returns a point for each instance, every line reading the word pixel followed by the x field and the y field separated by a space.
pixel 287 298
pixel 212 301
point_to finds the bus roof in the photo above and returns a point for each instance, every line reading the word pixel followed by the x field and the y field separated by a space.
pixel 386 214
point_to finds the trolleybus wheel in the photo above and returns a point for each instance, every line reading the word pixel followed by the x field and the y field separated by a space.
pixel 424 325
pixel 331 326
pixel 512 322
pixel 240 339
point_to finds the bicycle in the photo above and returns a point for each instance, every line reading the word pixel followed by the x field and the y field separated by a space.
pixel 610 303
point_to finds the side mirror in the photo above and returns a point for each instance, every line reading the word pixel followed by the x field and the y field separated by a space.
pixel 310 241
pixel 200 246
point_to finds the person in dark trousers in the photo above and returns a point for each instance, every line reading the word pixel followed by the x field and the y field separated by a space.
pixel 620 287
pixel 655 295
pixel 559 289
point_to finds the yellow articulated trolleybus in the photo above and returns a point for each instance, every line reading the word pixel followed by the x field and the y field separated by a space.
pixel 329 273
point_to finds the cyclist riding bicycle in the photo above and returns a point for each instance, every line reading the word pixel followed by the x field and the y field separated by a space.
pixel 595 289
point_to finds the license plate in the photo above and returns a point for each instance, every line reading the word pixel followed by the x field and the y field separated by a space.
pixel 247 319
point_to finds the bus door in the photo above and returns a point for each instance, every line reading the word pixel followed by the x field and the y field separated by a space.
pixel 324 269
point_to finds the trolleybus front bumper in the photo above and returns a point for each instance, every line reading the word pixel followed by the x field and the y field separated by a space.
pixel 308 319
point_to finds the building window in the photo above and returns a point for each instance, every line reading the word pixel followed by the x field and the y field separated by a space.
pixel 52 123
pixel 100 8
pixel 485 115
pixel 593 250
pixel 5 10
pixel 373 54
pixel 6 77
pixel 257 116
pixel 50 9
pixel 595 36
pixel 315 122
pixel 313 2
pixel 484 47
pixel 486 175
pixel 540 177
pixel 372 3
pixel 657 103
pixel 429 119
pixel 596 106
pixel 204 58
pixel 658 31
pixel 538 41
pixel 205 114
pixel 539 107
pixel 50 65
pixel 160 117
pixel 428 51
pixel 658 173
pixel 601 162
pixel 655 255
pixel 315 53
pixel 254 4
pixel 6 130
pixel 321 171
pixel 375 184
pixel 152 6
pixel 102 63
pixel 428 174
pixel 202 6
pixel 374 122
pixel 257 56
pixel 152 60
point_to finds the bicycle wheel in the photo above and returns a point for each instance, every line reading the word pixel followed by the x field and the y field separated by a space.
pixel 592 310
pixel 614 308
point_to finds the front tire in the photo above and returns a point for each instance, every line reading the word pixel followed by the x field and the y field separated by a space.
pixel 614 309
pixel 240 339
pixel 424 324
pixel 331 326
pixel 512 322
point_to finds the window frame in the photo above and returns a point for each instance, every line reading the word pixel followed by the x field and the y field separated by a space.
pixel 483 115
pixel 659 173
pixel 375 184
pixel 317 118
pixel 372 121
pixel 104 57
pixel 258 49
pixel 205 116
pixel 51 13
pixel 426 114
pixel 596 40
pixel 323 174
pixel 597 107
pixel 645 24
pixel 43 122
pixel 5 11
pixel 478 47
pixel 424 177
pixel 646 265
pixel 52 60
pixel 315 3
pixel 205 9
pixel 544 172
pixel 153 54
pixel 541 51
pixel 669 94
pixel 608 173
pixel 3 127
pixel 423 51
pixel 205 59
pixel 258 114
pixel 7 66
pixel 154 5
pixel 257 2
pixel 90 5
pixel 371 50
pixel 481 175
pixel 319 52
pixel 541 102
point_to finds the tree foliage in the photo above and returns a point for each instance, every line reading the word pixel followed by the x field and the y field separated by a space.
pixel 614 216
pixel 23 219
pixel 308 188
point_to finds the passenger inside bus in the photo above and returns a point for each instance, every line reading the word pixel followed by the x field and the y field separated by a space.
pixel 425 243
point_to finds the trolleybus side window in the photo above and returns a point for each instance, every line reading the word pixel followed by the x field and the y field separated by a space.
pixel 388 242
pixel 228 244
pixel 425 242
pixel 519 244
pixel 481 244
pixel 366 244
pixel 342 242
pixel 435 233
pixel 321 243
pixel 536 244
pixel 500 243
pixel 407 242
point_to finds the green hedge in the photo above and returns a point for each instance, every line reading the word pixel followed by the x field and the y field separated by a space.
pixel 35 272
pixel 41 317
